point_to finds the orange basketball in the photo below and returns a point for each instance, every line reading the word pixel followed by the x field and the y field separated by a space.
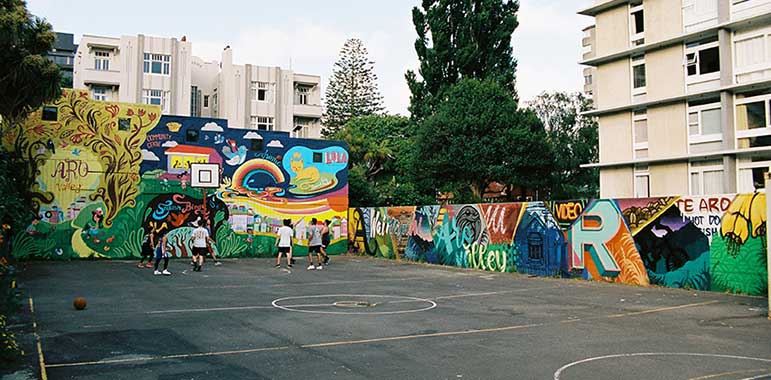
pixel 79 303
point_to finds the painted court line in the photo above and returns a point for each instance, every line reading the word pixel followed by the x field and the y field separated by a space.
pixel 724 374
pixel 301 284
pixel 40 357
pixel 662 309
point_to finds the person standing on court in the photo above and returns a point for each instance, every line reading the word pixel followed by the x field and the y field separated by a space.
pixel 284 243
pixel 325 241
pixel 162 251
pixel 314 244
pixel 148 246
pixel 200 239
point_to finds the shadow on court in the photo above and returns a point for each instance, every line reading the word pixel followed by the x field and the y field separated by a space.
pixel 363 318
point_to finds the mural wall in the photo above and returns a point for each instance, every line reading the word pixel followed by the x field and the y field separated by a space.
pixel 111 173
pixel 707 243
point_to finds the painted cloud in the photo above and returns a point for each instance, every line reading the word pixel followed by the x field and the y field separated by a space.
pixel 170 144
pixel 149 156
pixel 212 127
pixel 252 136
pixel 275 144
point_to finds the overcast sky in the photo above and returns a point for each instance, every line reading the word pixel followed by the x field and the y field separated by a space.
pixel 307 35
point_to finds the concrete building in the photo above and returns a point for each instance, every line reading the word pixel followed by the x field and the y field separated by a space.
pixel 682 90
pixel 267 98
pixel 136 69
pixel 63 55
pixel 162 71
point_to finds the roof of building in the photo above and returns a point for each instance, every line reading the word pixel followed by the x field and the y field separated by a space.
pixel 189 149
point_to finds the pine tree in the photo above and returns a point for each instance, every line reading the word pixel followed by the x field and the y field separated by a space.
pixel 469 39
pixel 352 91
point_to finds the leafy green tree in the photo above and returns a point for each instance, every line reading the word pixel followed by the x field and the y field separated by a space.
pixel 457 40
pixel 477 136
pixel 575 137
pixel 352 91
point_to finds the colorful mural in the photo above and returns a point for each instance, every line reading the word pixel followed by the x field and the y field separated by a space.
pixel 707 243
pixel 110 173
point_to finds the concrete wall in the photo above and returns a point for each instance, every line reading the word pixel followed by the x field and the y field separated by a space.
pixel 663 19
pixel 669 179
pixel 615 137
pixel 125 174
pixel 612 30
pixel 616 182
pixel 664 73
pixel 680 242
pixel 667 131
pixel 614 84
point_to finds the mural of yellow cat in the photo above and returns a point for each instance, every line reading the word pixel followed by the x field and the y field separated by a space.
pixel 309 174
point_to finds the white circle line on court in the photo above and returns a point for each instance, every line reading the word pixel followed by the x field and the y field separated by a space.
pixel 596 358
pixel 276 304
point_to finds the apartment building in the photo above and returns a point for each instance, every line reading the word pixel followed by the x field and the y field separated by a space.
pixel 682 91
pixel 136 69
pixel 163 71
pixel 63 55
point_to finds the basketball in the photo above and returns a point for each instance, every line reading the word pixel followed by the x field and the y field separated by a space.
pixel 79 303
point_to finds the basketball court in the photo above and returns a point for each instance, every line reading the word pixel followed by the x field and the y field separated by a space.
pixel 365 318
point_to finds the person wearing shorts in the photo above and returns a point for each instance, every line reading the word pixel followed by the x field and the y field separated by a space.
pixel 314 244
pixel 284 243
pixel 162 253
pixel 325 241
pixel 148 246
pixel 200 239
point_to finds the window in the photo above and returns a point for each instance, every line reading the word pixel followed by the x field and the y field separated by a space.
pixel 317 157
pixel 704 123
pixel 302 94
pixel 588 80
pixel 195 101
pixel 124 124
pixel 637 24
pixel 640 134
pixel 206 101
pixel 642 179
pixel 256 144
pixel 753 121
pixel 156 97
pixel 534 246
pixel 157 64
pixel 751 174
pixel 261 91
pixel 191 135
pixel 702 59
pixel 99 93
pixel 101 60
pixel 638 76
pixel 262 123
pixel 50 113
pixel 707 177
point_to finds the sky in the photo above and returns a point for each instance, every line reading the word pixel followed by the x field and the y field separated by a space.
pixel 306 35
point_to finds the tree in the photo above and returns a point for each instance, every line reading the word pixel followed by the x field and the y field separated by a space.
pixel 379 148
pixel 478 136
pixel 352 91
pixel 457 40
pixel 576 138
pixel 27 81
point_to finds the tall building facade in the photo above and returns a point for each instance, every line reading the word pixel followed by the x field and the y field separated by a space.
pixel 163 71
pixel 63 55
pixel 682 91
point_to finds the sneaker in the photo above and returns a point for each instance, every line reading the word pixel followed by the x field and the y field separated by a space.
pixel 319 267
pixel 311 267
pixel 289 266
pixel 326 260
pixel 149 265
pixel 198 268
pixel 166 272
pixel 277 266
pixel 216 264
pixel 140 265
pixel 291 261
pixel 157 273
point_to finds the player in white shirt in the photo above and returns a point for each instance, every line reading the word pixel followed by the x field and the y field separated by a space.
pixel 200 239
pixel 284 243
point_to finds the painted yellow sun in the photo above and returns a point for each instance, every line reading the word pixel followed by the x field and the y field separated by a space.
pixel 173 126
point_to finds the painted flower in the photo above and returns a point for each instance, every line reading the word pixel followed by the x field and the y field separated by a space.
pixel 141 112
pixel 152 116
pixel 112 109
pixel 39 129
pixel 744 219
pixel 6 227
pixel 130 112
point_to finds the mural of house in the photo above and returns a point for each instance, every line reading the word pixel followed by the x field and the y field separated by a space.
pixel 103 185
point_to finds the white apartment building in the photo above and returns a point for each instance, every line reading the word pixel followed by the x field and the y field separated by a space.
pixel 682 91
pixel 137 69
pixel 162 71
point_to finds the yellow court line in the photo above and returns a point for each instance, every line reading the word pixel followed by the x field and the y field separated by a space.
pixel 662 309
pixel 712 376
pixel 40 357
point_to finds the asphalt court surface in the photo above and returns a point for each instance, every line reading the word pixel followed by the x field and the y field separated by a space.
pixel 364 318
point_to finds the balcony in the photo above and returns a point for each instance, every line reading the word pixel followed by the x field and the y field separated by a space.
pixel 750 8
pixel 101 77
pixel 307 110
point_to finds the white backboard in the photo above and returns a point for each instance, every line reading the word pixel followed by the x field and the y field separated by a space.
pixel 205 175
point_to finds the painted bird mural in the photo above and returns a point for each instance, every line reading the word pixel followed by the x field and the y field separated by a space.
pixel 236 154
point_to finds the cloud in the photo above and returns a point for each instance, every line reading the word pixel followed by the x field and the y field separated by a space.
pixel 212 127
pixel 149 156
pixel 252 136
pixel 275 144
pixel 170 144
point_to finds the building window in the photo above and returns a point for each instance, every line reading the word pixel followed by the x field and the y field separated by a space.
pixel 191 135
pixel 751 174
pixel 753 121
pixel 302 94
pixel 640 134
pixel 262 123
pixel 637 24
pixel 124 124
pixel 157 64
pixel 206 101
pixel 156 97
pixel 317 157
pixel 642 182
pixel 702 59
pixel 50 113
pixel 534 246
pixel 707 177
pixel 261 91
pixel 99 93
pixel 638 76
pixel 195 101
pixel 101 60
pixel 587 80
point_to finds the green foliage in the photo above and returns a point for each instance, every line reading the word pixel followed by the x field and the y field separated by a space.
pixel 132 246
pixel 575 139
pixel 10 352
pixel 352 90
pixel 457 40
pixel 229 244
pixel 15 211
pixel 477 136
pixel 746 273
